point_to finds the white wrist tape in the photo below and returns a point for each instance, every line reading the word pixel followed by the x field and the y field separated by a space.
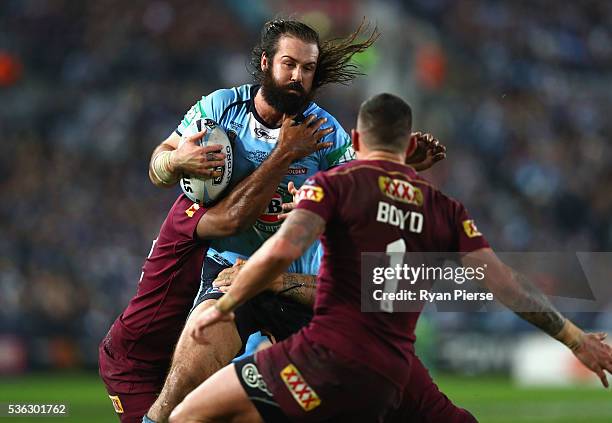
pixel 570 335
pixel 161 168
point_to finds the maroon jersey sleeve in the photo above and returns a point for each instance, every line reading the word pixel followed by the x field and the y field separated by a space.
pixel 317 196
pixel 183 220
pixel 468 237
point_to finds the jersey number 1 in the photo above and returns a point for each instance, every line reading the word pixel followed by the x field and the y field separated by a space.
pixel 395 250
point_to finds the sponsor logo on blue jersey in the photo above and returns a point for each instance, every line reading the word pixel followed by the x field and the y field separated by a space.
pixel 297 171
pixel 262 133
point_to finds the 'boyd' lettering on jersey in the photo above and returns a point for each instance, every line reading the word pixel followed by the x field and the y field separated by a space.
pixel 388 213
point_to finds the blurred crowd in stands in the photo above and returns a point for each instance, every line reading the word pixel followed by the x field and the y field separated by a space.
pixel 517 90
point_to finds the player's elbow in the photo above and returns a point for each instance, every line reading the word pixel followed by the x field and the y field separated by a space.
pixel 218 223
pixel 240 225
pixel 228 225
pixel 232 224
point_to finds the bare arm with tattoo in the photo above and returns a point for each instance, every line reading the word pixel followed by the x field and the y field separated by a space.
pixel 533 306
pixel 298 232
pixel 298 287
pixel 517 293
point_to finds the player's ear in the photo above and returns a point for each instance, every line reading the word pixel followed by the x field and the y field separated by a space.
pixel 355 139
pixel 263 62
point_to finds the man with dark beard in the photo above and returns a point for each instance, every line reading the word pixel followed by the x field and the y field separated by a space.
pixel 289 64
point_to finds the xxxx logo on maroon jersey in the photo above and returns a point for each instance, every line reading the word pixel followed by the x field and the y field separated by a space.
pixel 310 192
pixel 400 190
pixel 301 391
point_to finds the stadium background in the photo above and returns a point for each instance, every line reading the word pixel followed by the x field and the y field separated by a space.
pixel 517 90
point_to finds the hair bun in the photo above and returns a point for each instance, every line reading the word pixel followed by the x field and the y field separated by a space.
pixel 276 24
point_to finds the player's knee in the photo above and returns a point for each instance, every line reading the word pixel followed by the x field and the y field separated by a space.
pixel 223 344
pixel 193 316
pixel 200 309
pixel 182 413
pixel 223 336
pixel 219 335
pixel 177 415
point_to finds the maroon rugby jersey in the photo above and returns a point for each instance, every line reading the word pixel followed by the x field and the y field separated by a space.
pixel 349 199
pixel 148 328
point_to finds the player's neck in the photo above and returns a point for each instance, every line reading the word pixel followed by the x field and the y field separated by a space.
pixel 272 117
pixel 381 155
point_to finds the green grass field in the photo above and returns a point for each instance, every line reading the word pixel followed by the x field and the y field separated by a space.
pixel 492 400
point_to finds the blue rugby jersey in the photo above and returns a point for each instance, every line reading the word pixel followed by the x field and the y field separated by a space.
pixel 252 142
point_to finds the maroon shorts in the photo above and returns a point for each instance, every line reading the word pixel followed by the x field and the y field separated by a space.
pixel 297 380
pixel 422 401
pixel 312 383
pixel 131 390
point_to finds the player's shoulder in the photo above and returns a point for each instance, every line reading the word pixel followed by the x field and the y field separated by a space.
pixel 182 219
pixel 334 176
pixel 438 197
pixel 216 105
pixel 404 178
pixel 344 169
pixel 390 172
pixel 314 109
pixel 227 96
pixel 372 166
pixel 340 151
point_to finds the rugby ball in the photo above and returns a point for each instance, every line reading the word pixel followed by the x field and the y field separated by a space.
pixel 206 191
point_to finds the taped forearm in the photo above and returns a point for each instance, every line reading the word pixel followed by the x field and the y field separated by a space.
pixel 570 335
pixel 532 305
